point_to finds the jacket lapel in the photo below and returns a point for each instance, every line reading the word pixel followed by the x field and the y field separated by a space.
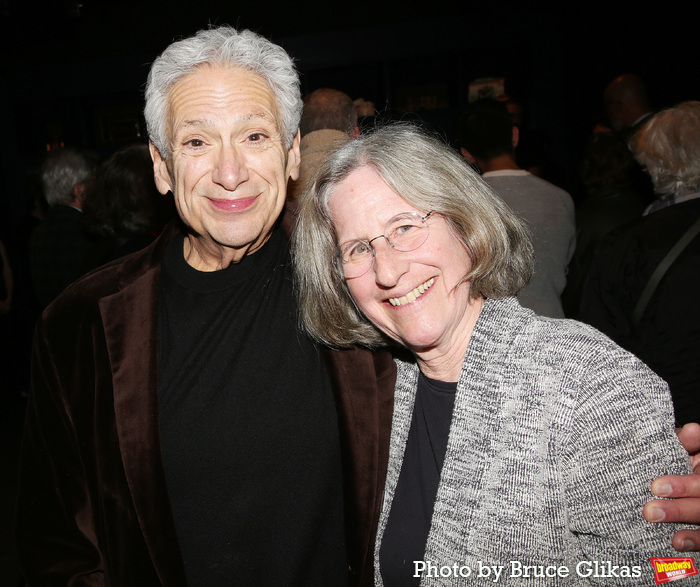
pixel 363 384
pixel 131 331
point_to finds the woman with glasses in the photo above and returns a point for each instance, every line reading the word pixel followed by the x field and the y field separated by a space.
pixel 520 445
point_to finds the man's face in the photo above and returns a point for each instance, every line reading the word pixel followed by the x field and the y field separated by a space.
pixel 228 166
pixel 614 108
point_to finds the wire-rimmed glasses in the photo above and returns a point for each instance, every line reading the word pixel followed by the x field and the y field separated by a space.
pixel 404 232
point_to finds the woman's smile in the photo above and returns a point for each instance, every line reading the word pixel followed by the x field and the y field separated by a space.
pixel 412 295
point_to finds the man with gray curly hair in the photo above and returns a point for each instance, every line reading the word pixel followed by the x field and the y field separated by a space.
pixel 668 147
pixel 181 428
pixel 642 287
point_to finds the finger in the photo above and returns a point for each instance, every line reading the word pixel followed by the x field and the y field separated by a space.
pixel 686 540
pixel 695 463
pixel 689 436
pixel 686 510
pixel 677 486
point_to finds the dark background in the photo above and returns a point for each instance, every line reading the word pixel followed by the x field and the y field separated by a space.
pixel 73 71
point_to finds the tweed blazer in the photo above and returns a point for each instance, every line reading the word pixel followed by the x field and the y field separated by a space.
pixel 93 507
pixel 555 438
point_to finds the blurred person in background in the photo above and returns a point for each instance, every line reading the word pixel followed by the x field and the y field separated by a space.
pixel 122 205
pixel 59 245
pixel 488 139
pixel 329 119
pixel 642 287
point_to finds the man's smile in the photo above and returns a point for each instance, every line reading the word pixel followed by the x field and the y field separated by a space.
pixel 232 205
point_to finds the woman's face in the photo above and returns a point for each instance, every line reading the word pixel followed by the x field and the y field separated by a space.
pixel 414 297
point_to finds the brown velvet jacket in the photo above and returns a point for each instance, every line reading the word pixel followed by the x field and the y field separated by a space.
pixel 93 505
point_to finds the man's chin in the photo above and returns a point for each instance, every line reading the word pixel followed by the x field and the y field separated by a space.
pixel 220 248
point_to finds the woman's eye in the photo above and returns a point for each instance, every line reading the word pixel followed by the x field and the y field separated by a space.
pixel 403 229
pixel 360 249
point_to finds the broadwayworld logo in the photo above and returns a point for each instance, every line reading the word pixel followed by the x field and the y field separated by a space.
pixel 668 569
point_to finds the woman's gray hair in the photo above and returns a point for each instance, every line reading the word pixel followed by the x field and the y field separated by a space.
pixel 429 175
pixel 668 145
pixel 222 46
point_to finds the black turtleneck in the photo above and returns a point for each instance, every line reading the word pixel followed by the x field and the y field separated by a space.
pixel 247 425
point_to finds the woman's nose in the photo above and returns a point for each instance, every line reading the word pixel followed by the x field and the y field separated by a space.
pixel 389 264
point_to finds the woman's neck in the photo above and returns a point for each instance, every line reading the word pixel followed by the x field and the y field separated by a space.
pixel 444 362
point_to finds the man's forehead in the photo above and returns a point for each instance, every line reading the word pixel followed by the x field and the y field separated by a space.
pixel 237 76
pixel 243 92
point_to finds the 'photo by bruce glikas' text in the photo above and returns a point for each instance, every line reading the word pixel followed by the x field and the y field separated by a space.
pixel 515 569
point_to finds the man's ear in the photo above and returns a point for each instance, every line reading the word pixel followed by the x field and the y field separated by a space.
pixel 467 155
pixel 516 136
pixel 79 190
pixel 294 158
pixel 160 170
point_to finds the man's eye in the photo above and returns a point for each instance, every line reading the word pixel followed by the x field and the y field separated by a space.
pixel 256 137
pixel 195 143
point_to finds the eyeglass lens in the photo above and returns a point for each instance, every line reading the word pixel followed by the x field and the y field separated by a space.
pixel 405 232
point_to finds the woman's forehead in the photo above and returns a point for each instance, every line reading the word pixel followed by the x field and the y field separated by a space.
pixel 363 195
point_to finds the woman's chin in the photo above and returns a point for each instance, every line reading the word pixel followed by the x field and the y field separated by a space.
pixel 420 344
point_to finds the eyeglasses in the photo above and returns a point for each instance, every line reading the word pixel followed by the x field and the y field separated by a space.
pixel 405 232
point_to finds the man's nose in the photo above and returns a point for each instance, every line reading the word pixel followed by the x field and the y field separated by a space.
pixel 389 264
pixel 230 169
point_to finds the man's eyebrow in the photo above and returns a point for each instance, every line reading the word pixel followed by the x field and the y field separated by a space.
pixel 194 122
pixel 251 116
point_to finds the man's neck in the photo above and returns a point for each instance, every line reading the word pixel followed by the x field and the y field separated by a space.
pixel 506 161
pixel 208 255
